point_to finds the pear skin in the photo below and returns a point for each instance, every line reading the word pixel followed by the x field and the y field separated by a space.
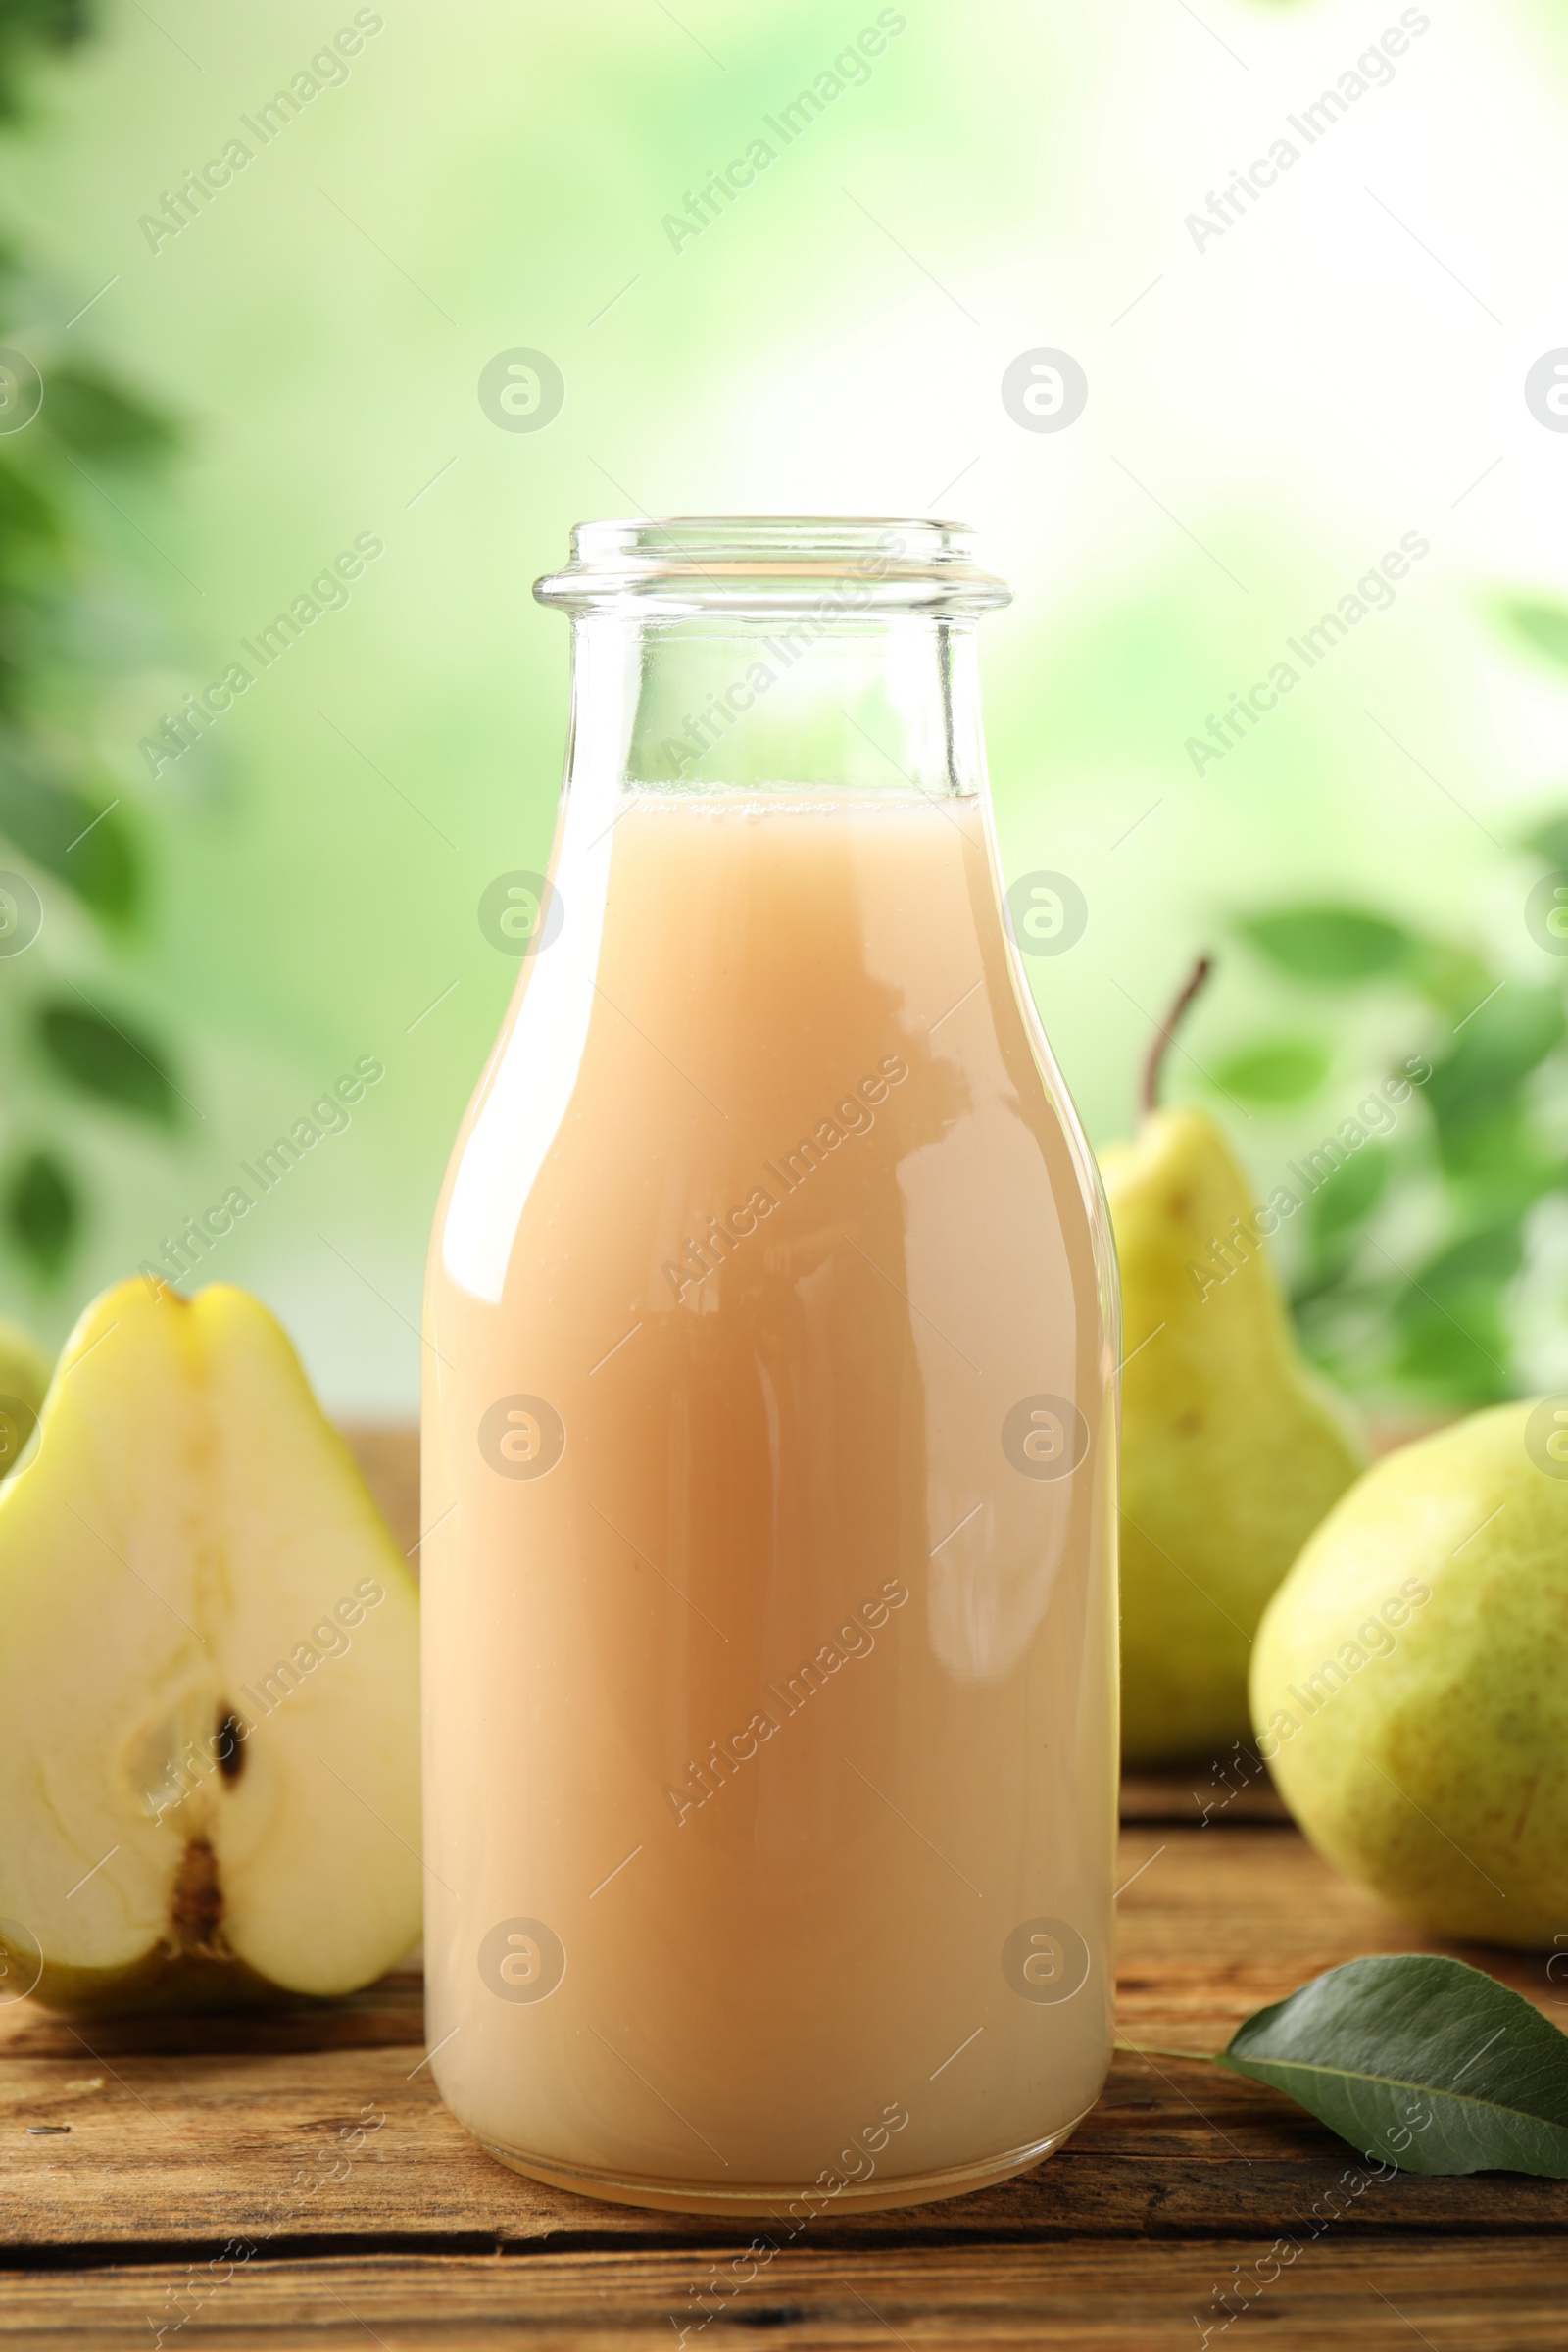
pixel 1231 1449
pixel 1410 1684
pixel 209 1674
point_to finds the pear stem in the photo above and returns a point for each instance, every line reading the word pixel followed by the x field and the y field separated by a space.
pixel 1155 1065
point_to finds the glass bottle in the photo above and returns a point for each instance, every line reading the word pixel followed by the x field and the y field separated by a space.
pixel 769 1442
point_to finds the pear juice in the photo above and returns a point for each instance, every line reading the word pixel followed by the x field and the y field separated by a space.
pixel 769 1475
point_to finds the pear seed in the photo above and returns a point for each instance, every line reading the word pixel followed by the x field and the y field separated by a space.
pixel 227 1745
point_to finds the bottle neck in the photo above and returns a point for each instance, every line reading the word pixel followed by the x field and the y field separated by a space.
pixel 788 702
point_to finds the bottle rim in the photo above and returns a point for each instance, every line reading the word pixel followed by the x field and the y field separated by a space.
pixel 680 564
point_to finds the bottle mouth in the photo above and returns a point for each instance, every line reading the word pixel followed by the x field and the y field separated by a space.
pixel 842 566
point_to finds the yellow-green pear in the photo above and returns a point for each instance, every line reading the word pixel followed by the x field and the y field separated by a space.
pixel 24 1381
pixel 209 1663
pixel 1230 1448
pixel 1410 1678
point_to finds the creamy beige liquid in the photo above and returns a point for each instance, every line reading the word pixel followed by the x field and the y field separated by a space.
pixel 769 1681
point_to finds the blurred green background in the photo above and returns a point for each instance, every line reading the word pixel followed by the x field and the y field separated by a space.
pixel 229 405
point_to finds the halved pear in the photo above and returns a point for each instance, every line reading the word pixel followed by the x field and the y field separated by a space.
pixel 24 1383
pixel 209 1677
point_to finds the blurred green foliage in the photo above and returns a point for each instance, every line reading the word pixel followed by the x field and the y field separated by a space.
pixel 1282 1069
pixel 28 25
pixel 59 816
pixel 1414 1246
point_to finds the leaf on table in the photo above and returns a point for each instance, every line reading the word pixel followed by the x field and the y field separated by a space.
pixel 107 1059
pixel 1420 2060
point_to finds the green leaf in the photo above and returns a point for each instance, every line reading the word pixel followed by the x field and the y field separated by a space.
pixel 100 419
pixel 1477 1263
pixel 1499 1042
pixel 107 1059
pixel 1501 1159
pixel 55 22
pixel 1279 1070
pixel 86 844
pixel 1549 843
pixel 1451 1310
pixel 1333 946
pixel 1420 2060
pixel 1448 976
pixel 42 1211
pixel 1542 625
pixel 1445 1364
pixel 1353 1194
pixel 24 512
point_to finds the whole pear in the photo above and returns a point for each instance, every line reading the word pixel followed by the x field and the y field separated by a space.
pixel 1410 1679
pixel 1231 1451
pixel 25 1371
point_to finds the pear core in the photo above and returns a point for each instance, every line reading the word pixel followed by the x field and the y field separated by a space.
pixel 209 1677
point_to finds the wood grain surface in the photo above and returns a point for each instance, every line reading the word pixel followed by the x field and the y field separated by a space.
pixel 202 2190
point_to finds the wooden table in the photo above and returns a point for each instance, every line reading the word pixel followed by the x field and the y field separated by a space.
pixel 203 2182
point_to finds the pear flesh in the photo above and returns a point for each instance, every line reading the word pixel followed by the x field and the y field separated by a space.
pixel 1231 1449
pixel 209 1659
pixel 1411 1682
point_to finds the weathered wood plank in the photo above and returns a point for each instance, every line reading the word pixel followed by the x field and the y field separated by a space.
pixel 186 2152
pixel 1211 1923
pixel 1507 2298
pixel 176 2141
